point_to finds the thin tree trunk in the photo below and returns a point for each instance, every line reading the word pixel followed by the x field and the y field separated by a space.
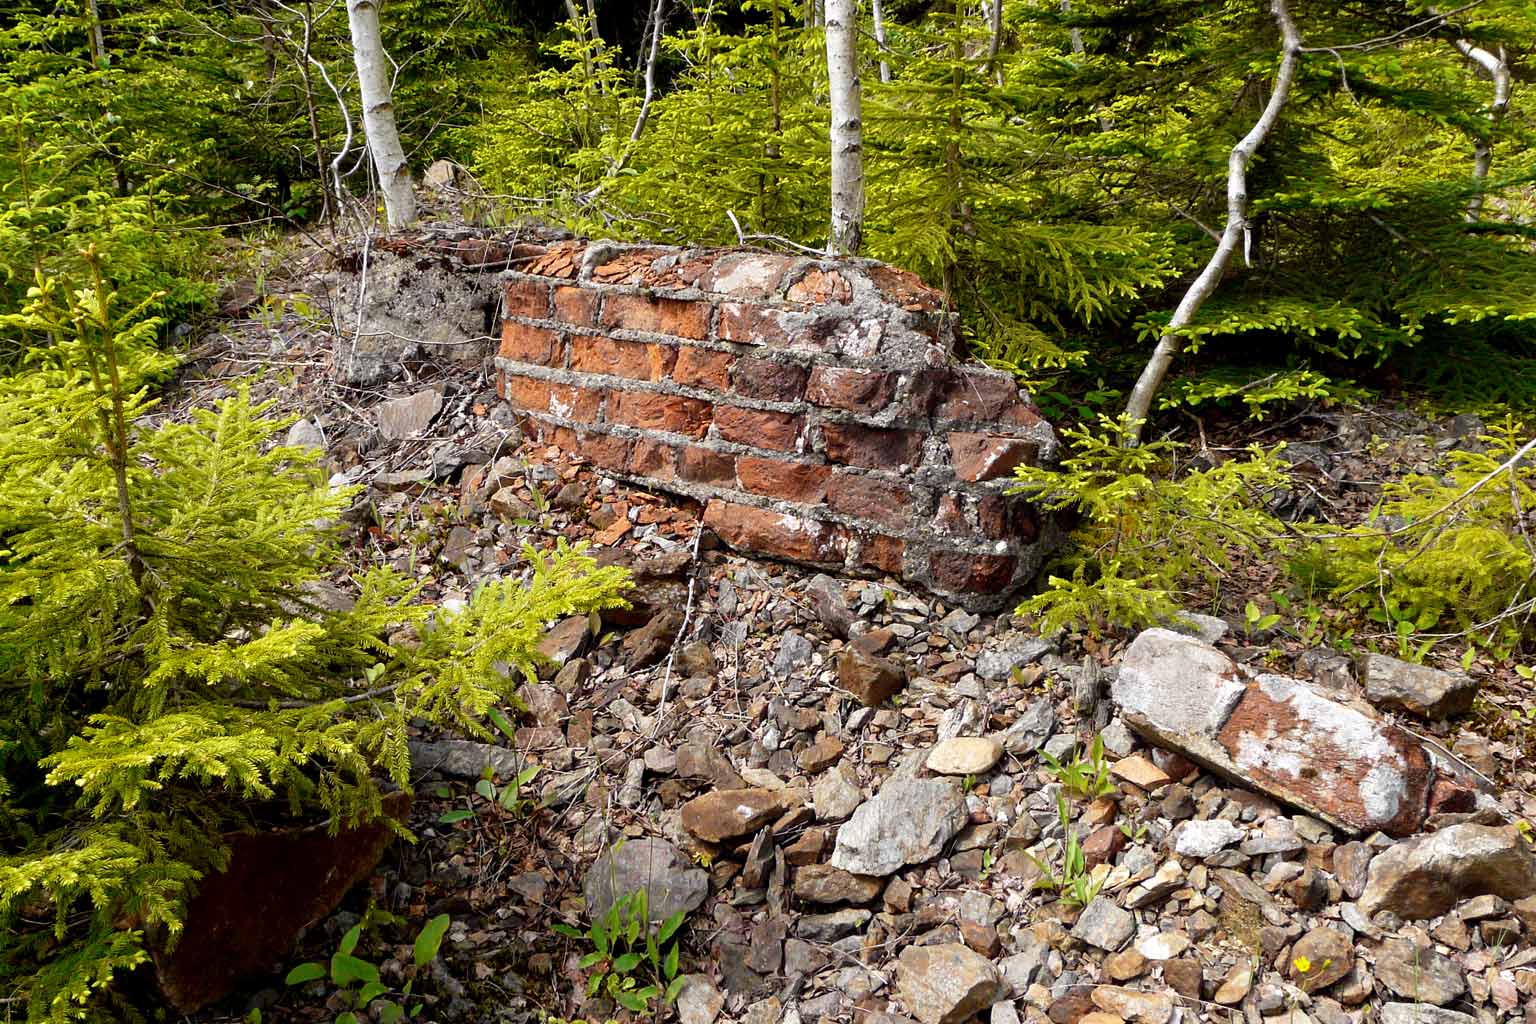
pixel 1140 403
pixel 847 128
pixel 1497 66
pixel 375 82
pixel 879 16
pixel 322 159
pixel 994 44
pixel 657 15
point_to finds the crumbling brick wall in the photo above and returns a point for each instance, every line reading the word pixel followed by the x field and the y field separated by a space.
pixel 816 407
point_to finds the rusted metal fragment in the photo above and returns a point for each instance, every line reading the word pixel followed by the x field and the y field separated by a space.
pixel 1356 772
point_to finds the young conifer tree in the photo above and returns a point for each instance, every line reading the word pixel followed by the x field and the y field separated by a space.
pixel 166 674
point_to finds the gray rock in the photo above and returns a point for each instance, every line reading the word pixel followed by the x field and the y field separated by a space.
pixel 1419 1013
pixel 699 1001
pixel 995 665
pixel 1003 1013
pixel 1419 973
pixel 1178 690
pixel 1205 628
pixel 409 307
pixel 1032 728
pixel 1203 839
pixel 402 418
pixel 830 604
pixel 670 880
pixel 945 984
pixel 908 822
pixel 794 651
pixel 830 927
pixel 834 796
pixel 1417 689
pixel 1104 925
pixel 304 434
pixel 1027 966
pixel 803 958
pixel 1427 876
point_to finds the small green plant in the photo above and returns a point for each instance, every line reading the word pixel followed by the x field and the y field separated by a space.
pixel 631 964
pixel 509 796
pixel 357 980
pixel 1136 833
pixel 1074 884
pixel 1084 777
pixel 1255 621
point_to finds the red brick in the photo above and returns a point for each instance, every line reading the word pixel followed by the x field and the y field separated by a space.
pixel 607 451
pixel 989 456
pixel 775 533
pixel 629 266
pixel 759 428
pixel 778 478
pixel 525 393
pixel 563 259
pixel 527 298
pixel 882 553
pixel 852 388
pixel 950 516
pixel 672 413
pixel 706 466
pixel 524 344
pixel 985 396
pixel 654 459
pixel 768 379
pixel 573 402
pixel 703 368
pixel 906 288
pixel 983 574
pixel 753 325
pixel 820 287
pixel 576 305
pixel 871 447
pixel 886 502
pixel 681 318
pixel 1005 518
pixel 634 359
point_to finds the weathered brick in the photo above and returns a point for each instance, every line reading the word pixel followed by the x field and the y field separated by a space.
pixel 950 515
pixel 871 447
pixel 768 379
pixel 628 266
pixel 606 451
pixel 576 305
pixel 527 297
pixel 989 456
pixel 852 388
pixel 776 534
pixel 563 259
pixel 706 466
pixel 703 368
pixel 979 574
pixel 760 428
pixel 887 502
pixel 634 359
pixel 753 325
pixel 906 288
pixel 882 553
pixel 527 344
pixel 820 287
pixel 779 478
pixel 984 396
pixel 1007 518
pixel 654 459
pixel 651 411
pixel 567 401
pixel 681 318
pixel 752 275
pixel 525 393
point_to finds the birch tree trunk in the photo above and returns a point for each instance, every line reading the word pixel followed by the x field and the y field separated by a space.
pixel 847 128
pixel 879 16
pixel 1140 403
pixel 375 76
pixel 1497 66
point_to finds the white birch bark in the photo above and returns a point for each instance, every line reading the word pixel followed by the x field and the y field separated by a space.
pixel 1497 66
pixel 879 16
pixel 847 128
pixel 1139 405
pixel 375 76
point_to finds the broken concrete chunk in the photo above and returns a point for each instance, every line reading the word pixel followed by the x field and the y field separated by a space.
pixel 1417 689
pixel 1275 734
pixel 1426 877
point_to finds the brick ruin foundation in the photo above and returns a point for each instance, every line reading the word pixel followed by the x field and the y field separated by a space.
pixel 816 407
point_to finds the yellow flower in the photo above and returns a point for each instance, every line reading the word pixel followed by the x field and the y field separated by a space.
pixel 1302 964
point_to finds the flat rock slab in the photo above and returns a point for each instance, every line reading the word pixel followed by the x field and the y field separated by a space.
pixel 671 881
pixel 731 813
pixel 964 755
pixel 908 822
pixel 1274 734
pixel 402 418
pixel 1426 877
pixel 945 984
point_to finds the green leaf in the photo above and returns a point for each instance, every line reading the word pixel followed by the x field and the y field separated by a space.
pixel 370 992
pixel 670 926
pixel 486 789
pixel 630 1001
pixel 501 721
pixel 430 940
pixel 390 1012
pixel 349 940
pixel 626 963
pixel 347 1018
pixel 347 970
pixel 561 928
pixel 597 956
pixel 454 817
pixel 305 973
pixel 670 966
pixel 674 988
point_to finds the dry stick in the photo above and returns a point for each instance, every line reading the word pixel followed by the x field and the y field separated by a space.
pixel 1236 231
pixel 657 24
pixel 1482 153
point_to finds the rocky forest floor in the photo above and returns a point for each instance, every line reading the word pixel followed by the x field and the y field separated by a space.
pixel 839 780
